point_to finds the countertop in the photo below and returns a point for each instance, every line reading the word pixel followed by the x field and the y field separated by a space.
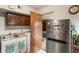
pixel 12 36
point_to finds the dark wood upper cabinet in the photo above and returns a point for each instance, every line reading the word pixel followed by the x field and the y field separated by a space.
pixel 12 19
pixel 27 20
pixel 22 20
pixel 44 25
pixel 17 20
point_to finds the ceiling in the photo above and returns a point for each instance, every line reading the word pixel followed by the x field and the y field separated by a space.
pixel 37 6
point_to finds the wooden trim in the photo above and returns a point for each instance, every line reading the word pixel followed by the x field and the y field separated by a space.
pixel 36 32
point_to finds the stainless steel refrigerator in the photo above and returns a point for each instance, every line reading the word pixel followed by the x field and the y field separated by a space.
pixel 58 36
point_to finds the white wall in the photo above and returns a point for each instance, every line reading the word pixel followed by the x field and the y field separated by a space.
pixel 14 8
pixel 61 12
pixel 2 24
pixel 75 21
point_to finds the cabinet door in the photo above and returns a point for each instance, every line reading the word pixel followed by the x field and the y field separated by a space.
pixel 44 25
pixel 17 20
pixel 13 19
pixel 24 20
pixel 21 20
pixel 27 20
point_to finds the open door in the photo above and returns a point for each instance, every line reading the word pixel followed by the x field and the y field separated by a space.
pixel 36 32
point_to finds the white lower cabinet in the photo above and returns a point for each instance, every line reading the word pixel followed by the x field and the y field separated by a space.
pixel 22 45
pixel 17 45
pixel 9 46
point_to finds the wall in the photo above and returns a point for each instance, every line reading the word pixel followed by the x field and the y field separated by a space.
pixel 14 8
pixel 75 21
pixel 3 29
pixel 60 12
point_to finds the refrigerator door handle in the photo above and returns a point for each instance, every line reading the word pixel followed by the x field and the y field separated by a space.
pixel 59 41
